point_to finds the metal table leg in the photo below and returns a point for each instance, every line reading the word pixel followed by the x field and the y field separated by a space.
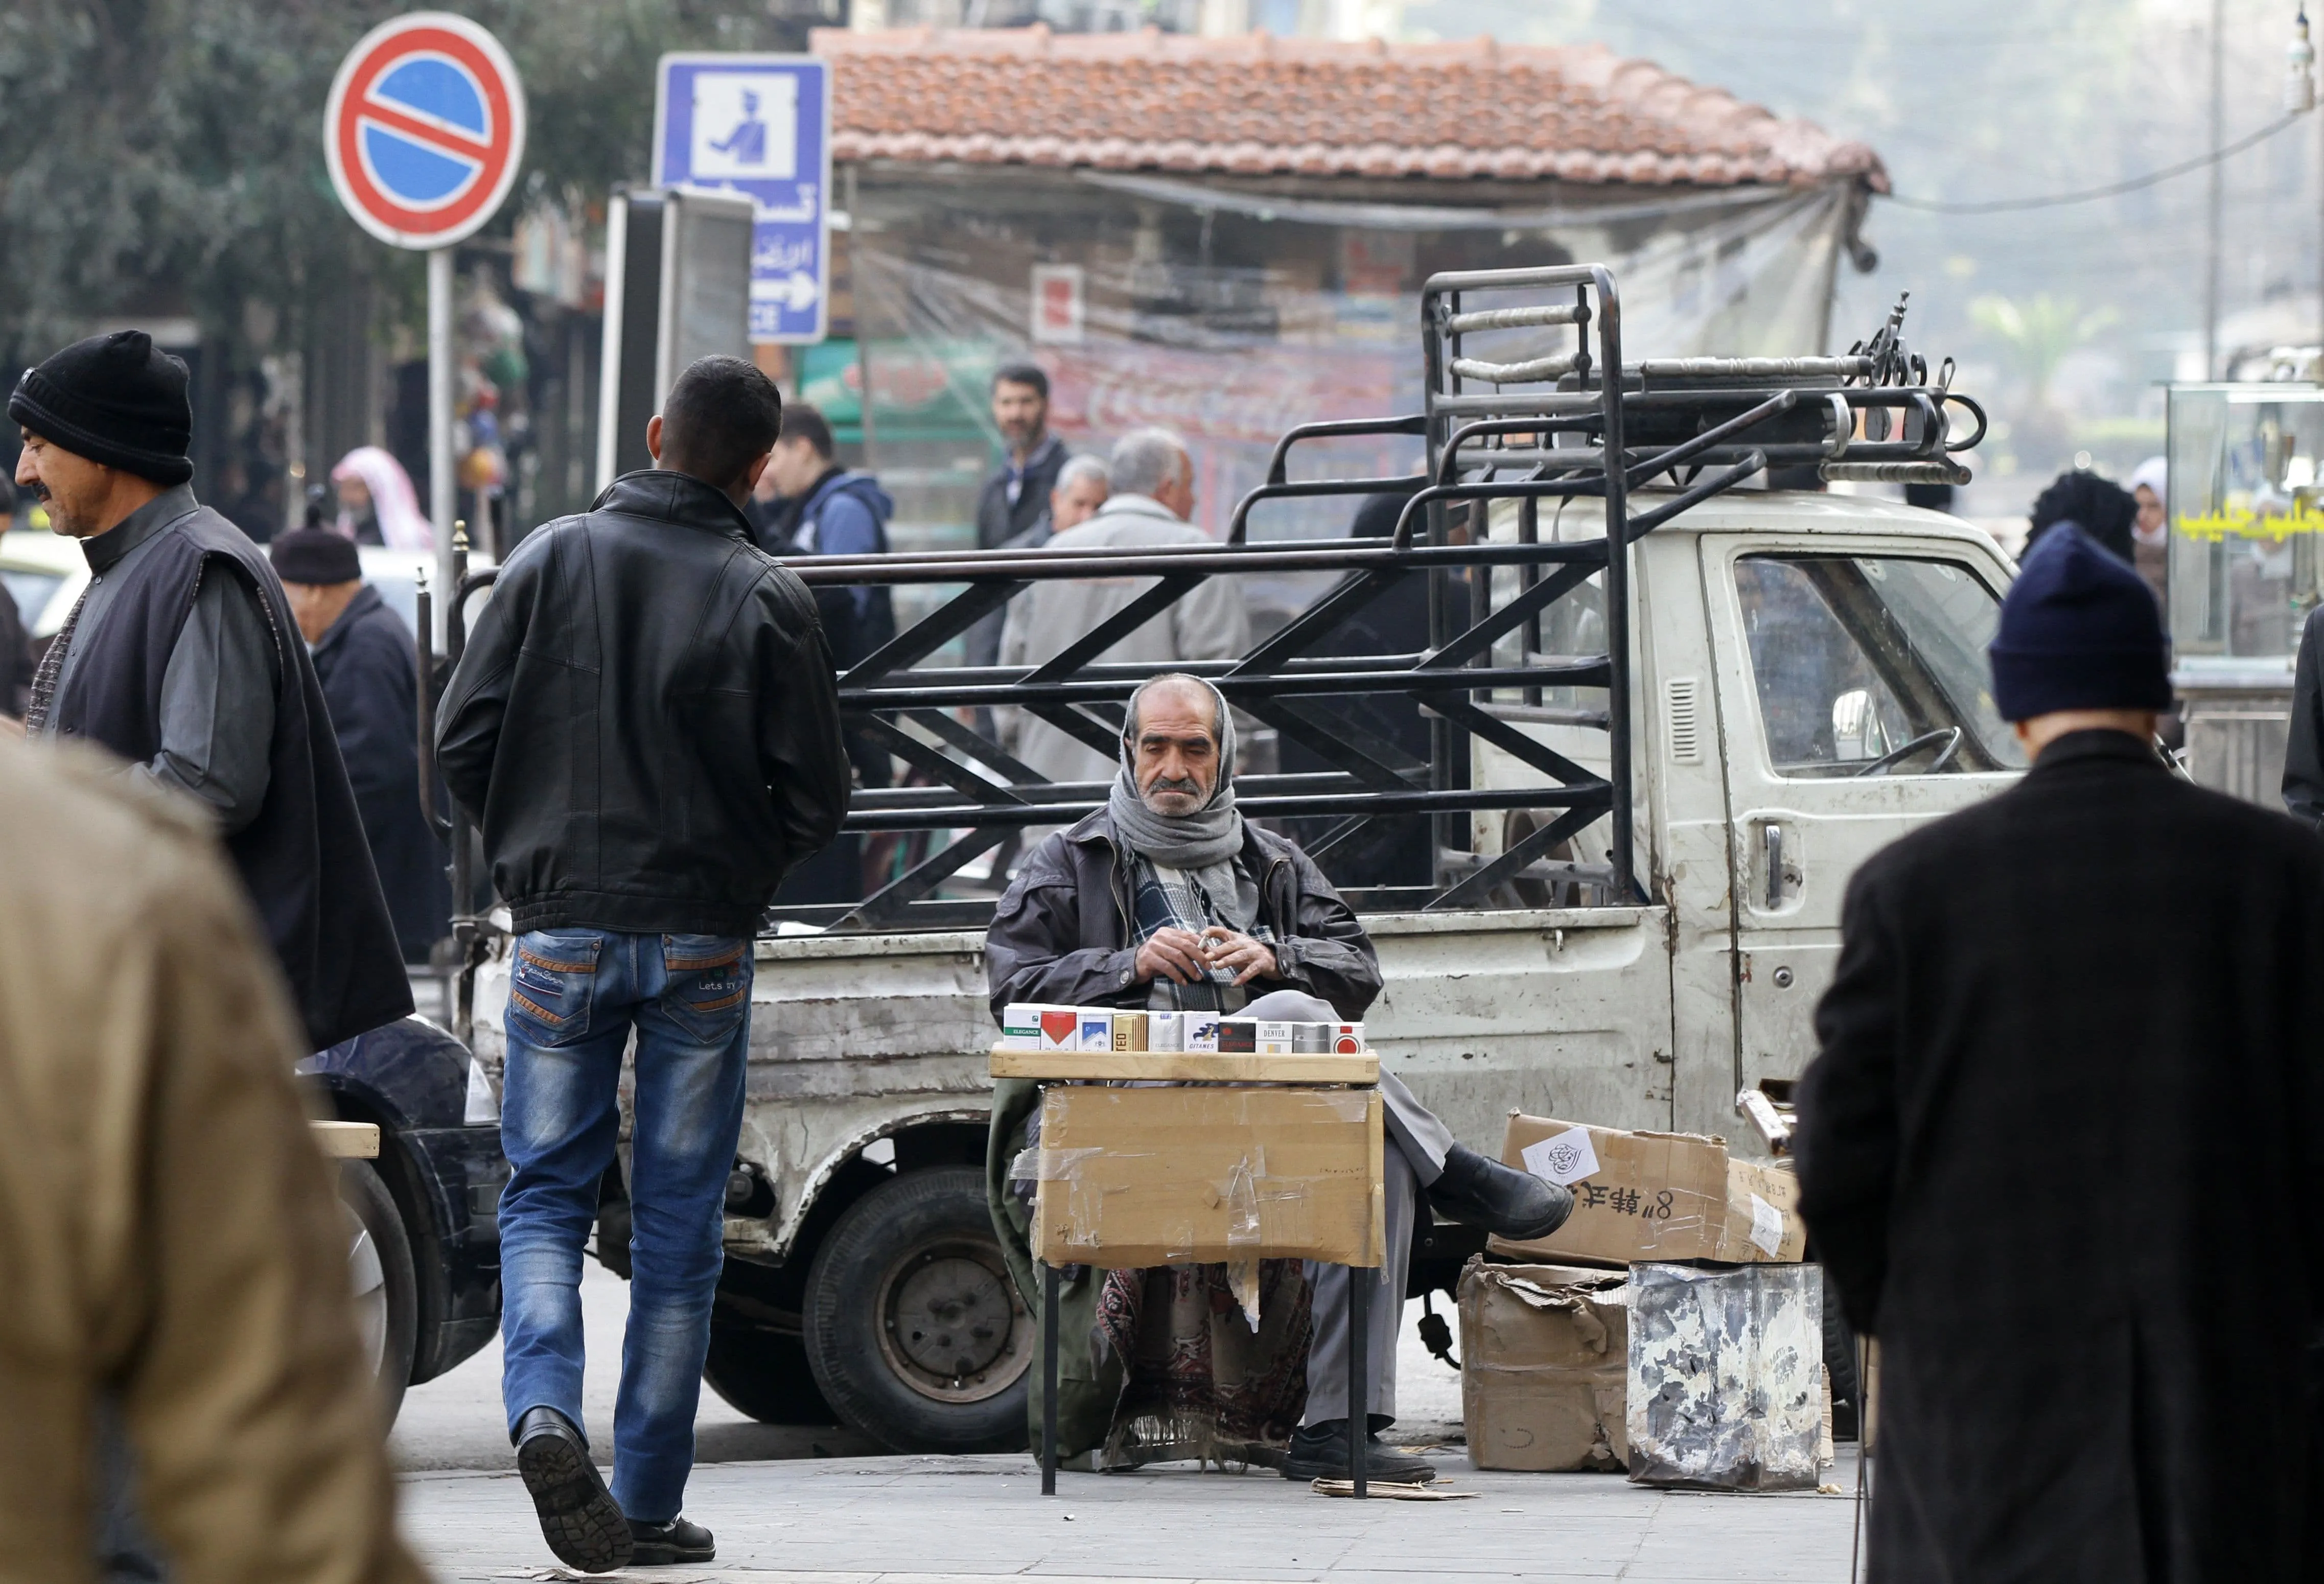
pixel 1360 1402
pixel 1049 1280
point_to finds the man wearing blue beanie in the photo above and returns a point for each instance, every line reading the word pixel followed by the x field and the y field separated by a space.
pixel 2060 1154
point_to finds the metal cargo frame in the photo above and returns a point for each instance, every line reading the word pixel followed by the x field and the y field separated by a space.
pixel 1536 420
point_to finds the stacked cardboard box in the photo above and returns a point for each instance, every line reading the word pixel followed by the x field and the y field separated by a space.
pixel 1660 1196
pixel 1545 1362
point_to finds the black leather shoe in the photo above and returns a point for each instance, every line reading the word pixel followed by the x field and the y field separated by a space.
pixel 578 1516
pixel 654 1545
pixel 1320 1451
pixel 1480 1193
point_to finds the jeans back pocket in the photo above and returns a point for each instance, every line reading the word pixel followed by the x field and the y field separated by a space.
pixel 550 977
pixel 707 989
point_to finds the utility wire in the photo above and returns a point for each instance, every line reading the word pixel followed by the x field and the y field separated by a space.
pixel 2150 178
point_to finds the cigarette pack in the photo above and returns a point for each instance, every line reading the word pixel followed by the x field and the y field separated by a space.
pixel 1020 1027
pixel 1097 1030
pixel 1272 1038
pixel 1239 1034
pixel 1061 1028
pixel 1311 1037
pixel 1165 1031
pixel 1129 1031
pixel 1347 1039
pixel 1203 1031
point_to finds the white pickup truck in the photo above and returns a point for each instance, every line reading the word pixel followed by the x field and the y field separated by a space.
pixel 1805 680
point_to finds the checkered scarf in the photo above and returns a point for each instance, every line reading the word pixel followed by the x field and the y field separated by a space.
pixel 1195 900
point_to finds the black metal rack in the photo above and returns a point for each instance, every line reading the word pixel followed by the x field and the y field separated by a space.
pixel 1527 399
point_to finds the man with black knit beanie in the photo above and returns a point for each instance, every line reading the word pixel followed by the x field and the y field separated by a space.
pixel 2059 1152
pixel 183 658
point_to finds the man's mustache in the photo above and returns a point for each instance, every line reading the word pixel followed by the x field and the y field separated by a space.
pixel 1175 783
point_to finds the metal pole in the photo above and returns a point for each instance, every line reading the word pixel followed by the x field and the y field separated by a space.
pixel 1359 1396
pixel 2217 193
pixel 1049 1280
pixel 443 487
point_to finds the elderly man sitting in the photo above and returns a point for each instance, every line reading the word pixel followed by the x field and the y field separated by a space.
pixel 1169 898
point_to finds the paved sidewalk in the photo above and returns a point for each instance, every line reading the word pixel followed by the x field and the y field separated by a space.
pixel 950 1520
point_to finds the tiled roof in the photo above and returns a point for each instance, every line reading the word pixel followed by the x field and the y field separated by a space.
pixel 1262 107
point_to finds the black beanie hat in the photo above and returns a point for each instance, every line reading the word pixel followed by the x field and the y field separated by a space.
pixel 314 555
pixel 117 400
pixel 2079 630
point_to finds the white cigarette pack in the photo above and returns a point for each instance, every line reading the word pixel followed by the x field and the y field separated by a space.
pixel 1165 1031
pixel 1020 1027
pixel 1061 1027
pixel 1273 1038
pixel 1347 1039
pixel 1097 1030
pixel 1203 1031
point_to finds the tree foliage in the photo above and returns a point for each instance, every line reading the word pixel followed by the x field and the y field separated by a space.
pixel 166 155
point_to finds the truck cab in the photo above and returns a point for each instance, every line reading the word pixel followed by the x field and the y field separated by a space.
pixel 1656 757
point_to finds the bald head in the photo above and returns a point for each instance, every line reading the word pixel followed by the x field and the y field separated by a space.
pixel 1173 734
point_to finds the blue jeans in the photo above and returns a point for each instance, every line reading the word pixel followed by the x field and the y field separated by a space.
pixel 574 995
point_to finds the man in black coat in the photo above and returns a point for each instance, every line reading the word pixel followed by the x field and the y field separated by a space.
pixel 2303 749
pixel 182 657
pixel 363 659
pixel 2060 1151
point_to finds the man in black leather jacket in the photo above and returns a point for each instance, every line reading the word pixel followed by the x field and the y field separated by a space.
pixel 646 727
pixel 2304 753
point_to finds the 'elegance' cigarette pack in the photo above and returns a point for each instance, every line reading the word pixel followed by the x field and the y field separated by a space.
pixel 1165 1031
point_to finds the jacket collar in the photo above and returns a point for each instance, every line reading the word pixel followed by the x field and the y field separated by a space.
pixel 367 600
pixel 1137 506
pixel 661 495
pixel 106 550
pixel 2098 743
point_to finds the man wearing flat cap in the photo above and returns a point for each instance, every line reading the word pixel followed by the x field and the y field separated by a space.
pixel 364 659
pixel 182 657
pixel 2060 1151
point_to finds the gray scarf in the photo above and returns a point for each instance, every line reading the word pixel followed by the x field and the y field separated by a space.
pixel 1212 835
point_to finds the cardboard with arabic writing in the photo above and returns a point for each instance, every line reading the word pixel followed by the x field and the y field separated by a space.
pixel 1667 1196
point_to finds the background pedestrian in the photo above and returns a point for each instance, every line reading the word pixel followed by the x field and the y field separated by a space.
pixel 364 657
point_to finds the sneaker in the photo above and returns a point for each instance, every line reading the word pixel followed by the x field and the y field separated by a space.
pixel 1478 1192
pixel 578 1516
pixel 654 1545
pixel 1320 1451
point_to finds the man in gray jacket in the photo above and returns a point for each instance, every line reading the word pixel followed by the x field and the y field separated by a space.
pixel 1153 495
pixel 1169 898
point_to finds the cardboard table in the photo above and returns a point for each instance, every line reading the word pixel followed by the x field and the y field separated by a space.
pixel 1172 1157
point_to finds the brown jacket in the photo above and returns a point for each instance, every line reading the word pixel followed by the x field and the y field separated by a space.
pixel 168 1231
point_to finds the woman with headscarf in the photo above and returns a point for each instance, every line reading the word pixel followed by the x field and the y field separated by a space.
pixel 377 505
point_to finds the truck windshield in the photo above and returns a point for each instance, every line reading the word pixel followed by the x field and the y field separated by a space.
pixel 1861 658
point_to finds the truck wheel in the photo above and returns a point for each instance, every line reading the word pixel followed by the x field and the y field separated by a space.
pixel 379 1268
pixel 914 1329
pixel 763 1373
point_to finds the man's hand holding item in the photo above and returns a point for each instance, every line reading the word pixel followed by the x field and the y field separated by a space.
pixel 1238 953
pixel 1179 955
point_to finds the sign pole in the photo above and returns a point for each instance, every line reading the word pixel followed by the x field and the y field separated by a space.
pixel 443 481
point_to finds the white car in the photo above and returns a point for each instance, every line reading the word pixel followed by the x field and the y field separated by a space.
pixel 45 572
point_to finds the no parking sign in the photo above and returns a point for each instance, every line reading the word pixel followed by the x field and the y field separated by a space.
pixel 424 130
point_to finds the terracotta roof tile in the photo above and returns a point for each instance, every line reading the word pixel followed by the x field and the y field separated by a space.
pixel 1258 105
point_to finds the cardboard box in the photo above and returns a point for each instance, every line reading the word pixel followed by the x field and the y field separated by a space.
pixel 1544 1367
pixel 1726 1376
pixel 1129 1031
pixel 1129 1178
pixel 1668 1197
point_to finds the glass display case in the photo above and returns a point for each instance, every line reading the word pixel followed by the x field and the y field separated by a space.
pixel 2246 509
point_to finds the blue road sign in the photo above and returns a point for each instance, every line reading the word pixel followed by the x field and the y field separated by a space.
pixel 760 124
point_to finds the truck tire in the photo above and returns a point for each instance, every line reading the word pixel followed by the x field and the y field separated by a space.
pixel 379 1270
pixel 913 1327
pixel 763 1373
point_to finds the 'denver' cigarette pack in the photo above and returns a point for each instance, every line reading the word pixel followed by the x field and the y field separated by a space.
pixel 1271 1038
pixel 1020 1027
pixel 1097 1030
pixel 1129 1031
